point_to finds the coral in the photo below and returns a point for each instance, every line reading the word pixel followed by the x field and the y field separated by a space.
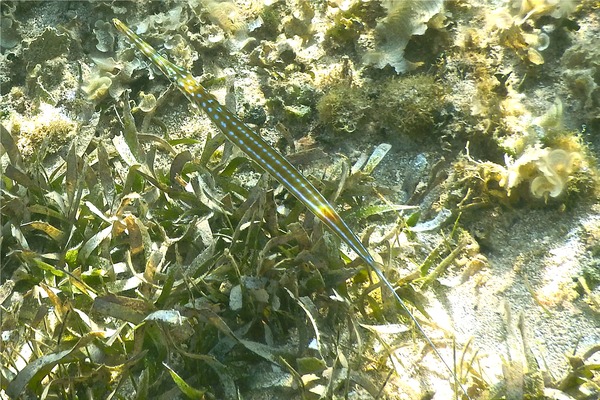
pixel 180 50
pixel 345 32
pixel 475 183
pixel 526 39
pixel 522 30
pixel 110 73
pixel 232 21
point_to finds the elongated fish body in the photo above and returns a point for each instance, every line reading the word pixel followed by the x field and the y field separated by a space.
pixel 252 144
pixel 269 159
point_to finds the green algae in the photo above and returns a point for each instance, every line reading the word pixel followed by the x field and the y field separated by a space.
pixel 343 108
pixel 407 105
pixel 350 24
pixel 411 104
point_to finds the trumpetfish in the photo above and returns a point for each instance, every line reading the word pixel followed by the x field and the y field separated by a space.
pixel 273 162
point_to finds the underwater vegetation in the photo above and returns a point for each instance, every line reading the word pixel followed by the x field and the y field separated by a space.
pixel 48 130
pixel 403 20
pixel 412 104
pixel 350 22
pixel 549 174
pixel 344 108
pixel 408 105
pixel 144 252
pixel 546 170
pixel 582 72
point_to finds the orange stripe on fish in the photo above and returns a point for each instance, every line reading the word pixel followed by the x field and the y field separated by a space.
pixel 269 159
